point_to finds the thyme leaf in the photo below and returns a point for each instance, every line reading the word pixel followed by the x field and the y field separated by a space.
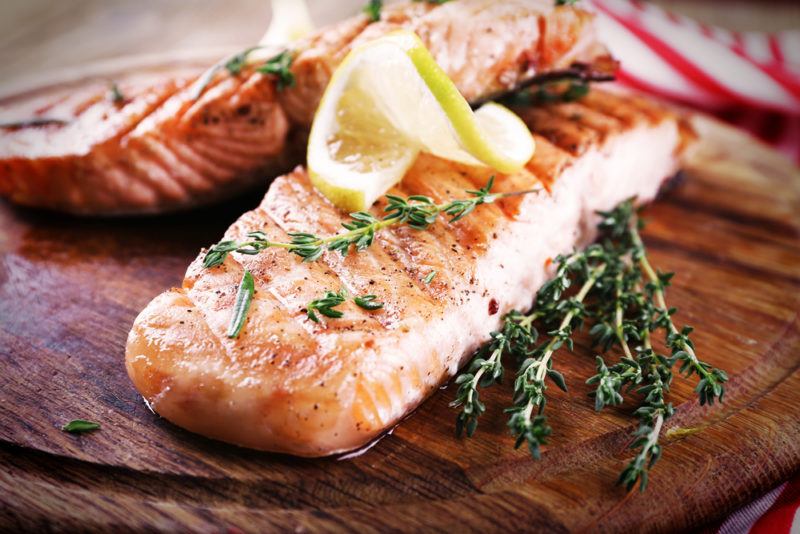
pixel 280 66
pixel 373 10
pixel 326 305
pixel 244 296
pixel 235 63
pixel 368 302
pixel 79 426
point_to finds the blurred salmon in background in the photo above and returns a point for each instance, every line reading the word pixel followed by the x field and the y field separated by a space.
pixel 156 138
pixel 745 75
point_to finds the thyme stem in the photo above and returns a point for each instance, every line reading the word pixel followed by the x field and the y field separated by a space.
pixel 661 302
pixel 562 329
pixel 417 211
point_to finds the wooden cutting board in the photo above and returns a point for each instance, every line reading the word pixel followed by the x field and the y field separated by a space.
pixel 70 289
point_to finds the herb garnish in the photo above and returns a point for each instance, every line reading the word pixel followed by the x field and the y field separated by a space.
pixel 416 211
pixel 429 277
pixel 115 95
pixel 526 424
pixel 79 426
pixel 368 302
pixel 32 123
pixel 235 63
pixel 278 65
pixel 549 92
pixel 624 298
pixel 566 2
pixel 244 296
pixel 325 306
pixel 373 10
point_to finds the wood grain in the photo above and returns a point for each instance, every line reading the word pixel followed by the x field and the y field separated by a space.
pixel 70 289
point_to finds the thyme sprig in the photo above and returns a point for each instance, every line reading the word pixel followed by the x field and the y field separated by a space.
pixel 417 211
pixel 326 305
pixel 527 421
pixel 487 369
pixel 373 10
pixel 631 313
pixel 278 65
pixel 623 298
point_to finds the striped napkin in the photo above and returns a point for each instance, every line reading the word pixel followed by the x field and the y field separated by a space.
pixel 748 79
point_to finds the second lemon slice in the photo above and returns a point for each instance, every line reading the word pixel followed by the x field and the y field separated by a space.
pixel 388 101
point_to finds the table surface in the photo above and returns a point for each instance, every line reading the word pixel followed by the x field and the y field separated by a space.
pixel 36 36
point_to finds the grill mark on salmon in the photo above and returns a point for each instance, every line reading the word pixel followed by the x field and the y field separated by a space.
pixel 294 211
pixel 290 385
pixel 113 158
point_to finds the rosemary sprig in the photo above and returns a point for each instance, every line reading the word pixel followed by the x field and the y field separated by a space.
pixel 80 426
pixel 244 296
pixel 326 305
pixel 417 211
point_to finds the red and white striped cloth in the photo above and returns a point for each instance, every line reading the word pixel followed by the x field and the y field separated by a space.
pixel 748 78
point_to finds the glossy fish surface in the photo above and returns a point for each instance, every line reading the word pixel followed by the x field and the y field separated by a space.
pixel 292 385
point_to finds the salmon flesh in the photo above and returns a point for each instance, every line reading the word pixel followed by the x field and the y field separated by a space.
pixel 292 385
pixel 152 145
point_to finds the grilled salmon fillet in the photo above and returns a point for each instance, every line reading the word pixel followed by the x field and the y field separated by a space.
pixel 154 146
pixel 291 385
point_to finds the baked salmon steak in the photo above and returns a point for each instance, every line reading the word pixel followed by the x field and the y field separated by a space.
pixel 156 142
pixel 291 384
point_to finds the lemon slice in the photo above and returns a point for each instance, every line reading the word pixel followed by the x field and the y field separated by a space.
pixel 388 101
